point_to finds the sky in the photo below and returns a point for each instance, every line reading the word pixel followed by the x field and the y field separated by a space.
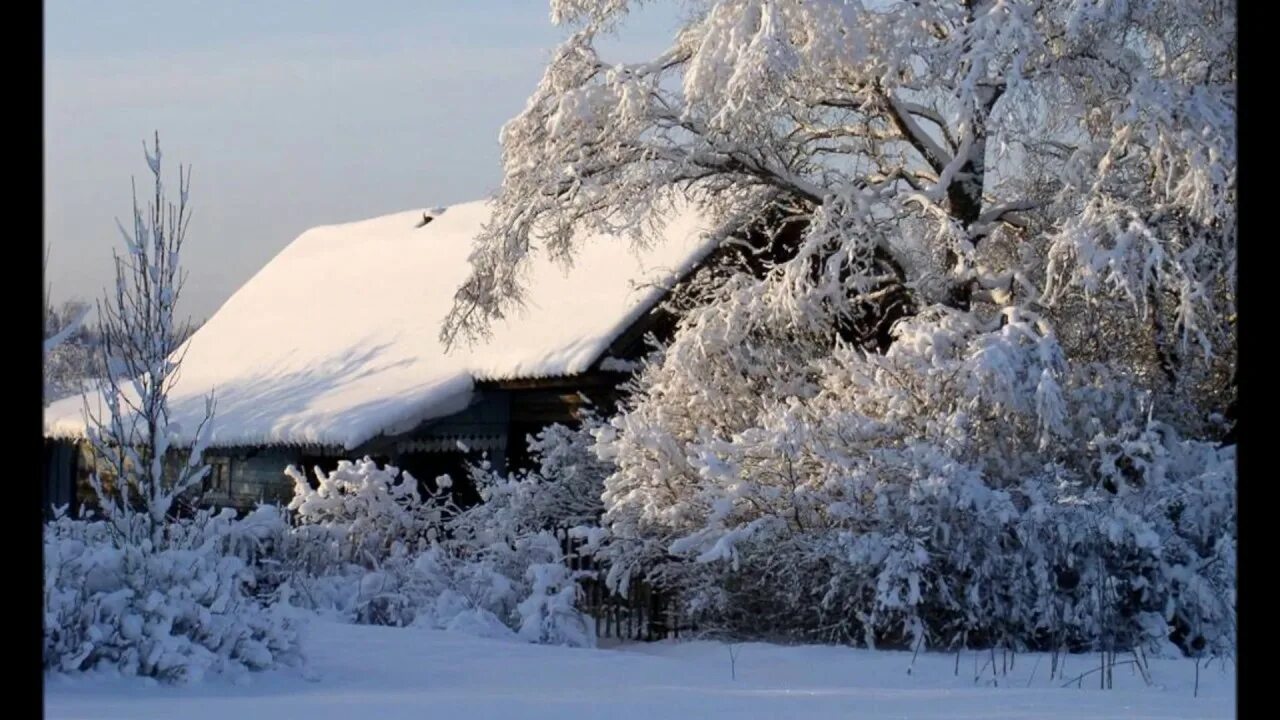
pixel 292 114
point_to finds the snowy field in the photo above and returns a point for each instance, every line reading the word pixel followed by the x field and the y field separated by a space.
pixel 379 673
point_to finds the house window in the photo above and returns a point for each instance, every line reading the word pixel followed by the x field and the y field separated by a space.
pixel 218 480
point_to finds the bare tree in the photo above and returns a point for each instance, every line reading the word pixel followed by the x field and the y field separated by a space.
pixel 131 430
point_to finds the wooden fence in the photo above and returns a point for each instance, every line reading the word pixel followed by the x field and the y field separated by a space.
pixel 643 613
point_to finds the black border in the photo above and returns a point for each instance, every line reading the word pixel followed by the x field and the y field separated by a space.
pixel 25 277
pixel 1255 63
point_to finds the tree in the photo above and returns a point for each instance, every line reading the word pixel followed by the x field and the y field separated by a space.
pixel 69 363
pixel 130 429
pixel 134 585
pixel 60 366
pixel 920 143
pixel 1108 190
pixel 992 264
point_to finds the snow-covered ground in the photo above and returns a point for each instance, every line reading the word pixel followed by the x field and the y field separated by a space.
pixel 380 673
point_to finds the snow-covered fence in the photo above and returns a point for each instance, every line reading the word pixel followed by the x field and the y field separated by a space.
pixel 642 613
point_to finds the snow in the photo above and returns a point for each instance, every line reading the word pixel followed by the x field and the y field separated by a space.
pixel 393 673
pixel 336 339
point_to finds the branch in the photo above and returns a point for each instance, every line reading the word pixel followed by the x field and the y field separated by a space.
pixel 932 116
pixel 1006 214
pixel 911 131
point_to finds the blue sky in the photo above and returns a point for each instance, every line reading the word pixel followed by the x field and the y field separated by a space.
pixel 292 114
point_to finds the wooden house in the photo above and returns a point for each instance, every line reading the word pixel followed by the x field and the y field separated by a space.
pixel 332 351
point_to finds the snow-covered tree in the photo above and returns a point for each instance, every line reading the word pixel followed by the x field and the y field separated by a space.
pixel 988 279
pixel 139 585
pixel 1025 152
pixel 70 350
pixel 63 366
pixel 140 351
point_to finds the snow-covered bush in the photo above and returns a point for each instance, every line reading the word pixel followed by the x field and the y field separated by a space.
pixel 463 594
pixel 354 538
pixel 967 486
pixel 368 544
pixel 512 530
pixel 177 611
pixel 561 492
pixel 549 614
pixel 361 513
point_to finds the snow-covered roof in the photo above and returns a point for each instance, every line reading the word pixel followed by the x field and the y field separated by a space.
pixel 336 339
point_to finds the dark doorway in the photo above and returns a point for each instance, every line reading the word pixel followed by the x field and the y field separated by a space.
pixel 59 488
pixel 427 466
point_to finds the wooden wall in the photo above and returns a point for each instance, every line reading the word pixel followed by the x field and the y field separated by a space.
pixel 495 426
